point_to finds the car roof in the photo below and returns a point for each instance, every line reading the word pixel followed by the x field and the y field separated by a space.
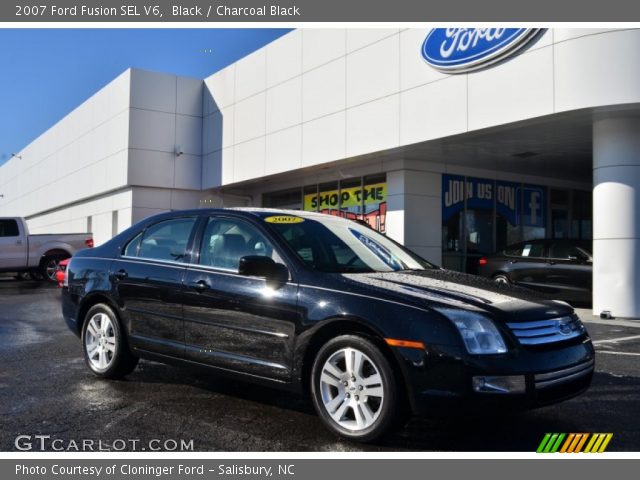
pixel 249 212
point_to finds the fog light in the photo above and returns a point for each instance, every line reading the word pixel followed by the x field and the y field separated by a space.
pixel 499 384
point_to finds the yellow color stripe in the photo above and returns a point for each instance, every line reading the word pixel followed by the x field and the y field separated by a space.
pixel 606 442
pixel 596 446
pixel 590 444
pixel 567 442
pixel 584 439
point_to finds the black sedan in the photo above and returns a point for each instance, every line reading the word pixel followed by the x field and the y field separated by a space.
pixel 325 306
pixel 560 268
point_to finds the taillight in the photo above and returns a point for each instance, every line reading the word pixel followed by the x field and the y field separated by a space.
pixel 89 242
pixel 66 275
pixel 482 261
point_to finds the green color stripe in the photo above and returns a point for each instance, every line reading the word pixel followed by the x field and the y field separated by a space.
pixel 543 443
pixel 555 448
pixel 550 443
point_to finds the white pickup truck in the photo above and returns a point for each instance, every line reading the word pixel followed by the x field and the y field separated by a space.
pixel 38 255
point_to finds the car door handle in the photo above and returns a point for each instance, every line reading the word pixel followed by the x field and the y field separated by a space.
pixel 19 242
pixel 200 286
pixel 121 274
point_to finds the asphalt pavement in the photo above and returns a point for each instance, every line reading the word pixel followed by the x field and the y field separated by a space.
pixel 46 390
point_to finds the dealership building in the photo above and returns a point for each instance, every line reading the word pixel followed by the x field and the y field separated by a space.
pixel 539 138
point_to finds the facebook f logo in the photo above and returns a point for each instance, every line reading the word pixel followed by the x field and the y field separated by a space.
pixel 533 211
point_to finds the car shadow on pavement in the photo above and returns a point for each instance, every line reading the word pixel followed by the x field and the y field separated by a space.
pixel 499 431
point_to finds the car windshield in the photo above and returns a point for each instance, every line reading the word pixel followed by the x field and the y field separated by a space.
pixel 340 246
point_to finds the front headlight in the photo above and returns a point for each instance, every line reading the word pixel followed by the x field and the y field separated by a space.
pixel 480 335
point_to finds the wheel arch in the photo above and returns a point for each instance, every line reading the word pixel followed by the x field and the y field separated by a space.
pixel 92 300
pixel 332 328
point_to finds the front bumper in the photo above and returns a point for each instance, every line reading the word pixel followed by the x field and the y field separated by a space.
pixel 440 378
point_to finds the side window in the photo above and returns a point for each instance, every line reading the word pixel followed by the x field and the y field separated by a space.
pixel 9 228
pixel 564 251
pixel 226 241
pixel 131 250
pixel 166 240
pixel 514 250
pixel 533 250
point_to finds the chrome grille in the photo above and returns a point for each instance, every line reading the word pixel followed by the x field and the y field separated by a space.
pixel 544 380
pixel 547 331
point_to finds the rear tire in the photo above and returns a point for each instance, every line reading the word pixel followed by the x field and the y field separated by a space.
pixel 105 347
pixel 354 390
pixel 502 279
pixel 49 265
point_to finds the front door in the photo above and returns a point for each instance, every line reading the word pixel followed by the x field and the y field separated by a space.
pixel 148 278
pixel 233 321
pixel 569 272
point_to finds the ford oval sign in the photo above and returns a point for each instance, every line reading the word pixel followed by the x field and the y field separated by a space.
pixel 459 50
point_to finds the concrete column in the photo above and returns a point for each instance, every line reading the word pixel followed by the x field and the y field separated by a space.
pixel 616 216
pixel 414 211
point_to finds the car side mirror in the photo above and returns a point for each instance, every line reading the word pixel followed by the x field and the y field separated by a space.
pixel 261 266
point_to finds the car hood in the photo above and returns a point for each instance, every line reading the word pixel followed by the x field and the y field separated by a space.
pixel 440 288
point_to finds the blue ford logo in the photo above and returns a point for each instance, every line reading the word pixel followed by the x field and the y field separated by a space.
pixel 459 50
pixel 564 327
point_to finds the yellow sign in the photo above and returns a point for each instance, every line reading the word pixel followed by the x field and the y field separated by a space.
pixel 283 219
pixel 347 197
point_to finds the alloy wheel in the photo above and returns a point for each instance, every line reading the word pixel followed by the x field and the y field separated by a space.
pixel 100 341
pixel 351 389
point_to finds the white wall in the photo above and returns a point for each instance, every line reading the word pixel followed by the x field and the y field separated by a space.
pixel 165 111
pixel 73 219
pixel 82 155
pixel 316 96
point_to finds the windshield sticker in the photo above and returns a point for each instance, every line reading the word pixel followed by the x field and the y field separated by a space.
pixel 381 252
pixel 283 219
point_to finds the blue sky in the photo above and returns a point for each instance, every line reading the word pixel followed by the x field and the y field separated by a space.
pixel 46 73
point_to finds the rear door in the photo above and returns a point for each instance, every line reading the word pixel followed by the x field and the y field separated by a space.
pixel 232 321
pixel 148 278
pixel 13 245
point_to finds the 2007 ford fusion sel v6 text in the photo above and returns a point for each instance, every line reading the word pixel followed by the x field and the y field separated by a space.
pixel 324 305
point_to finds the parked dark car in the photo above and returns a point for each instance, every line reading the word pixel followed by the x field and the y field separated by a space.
pixel 560 268
pixel 319 304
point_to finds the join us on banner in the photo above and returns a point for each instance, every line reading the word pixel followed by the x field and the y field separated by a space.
pixel 517 203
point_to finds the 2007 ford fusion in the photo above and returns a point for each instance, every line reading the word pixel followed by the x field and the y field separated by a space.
pixel 323 305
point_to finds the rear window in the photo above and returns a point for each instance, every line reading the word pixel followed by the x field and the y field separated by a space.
pixel 9 228
pixel 166 240
pixel 533 250
pixel 527 249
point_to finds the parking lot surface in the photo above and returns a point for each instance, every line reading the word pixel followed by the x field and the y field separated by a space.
pixel 45 389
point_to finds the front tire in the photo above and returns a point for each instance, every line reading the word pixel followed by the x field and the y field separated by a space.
pixel 106 352
pixel 353 388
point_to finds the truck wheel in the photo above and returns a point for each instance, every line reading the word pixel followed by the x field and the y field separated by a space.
pixel 49 266
pixel 354 390
pixel 106 352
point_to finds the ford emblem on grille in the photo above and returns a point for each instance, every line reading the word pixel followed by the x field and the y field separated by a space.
pixel 564 327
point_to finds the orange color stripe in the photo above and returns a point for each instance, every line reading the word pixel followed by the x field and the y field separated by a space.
pixel 567 442
pixel 575 442
pixel 580 445
pixel 404 343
